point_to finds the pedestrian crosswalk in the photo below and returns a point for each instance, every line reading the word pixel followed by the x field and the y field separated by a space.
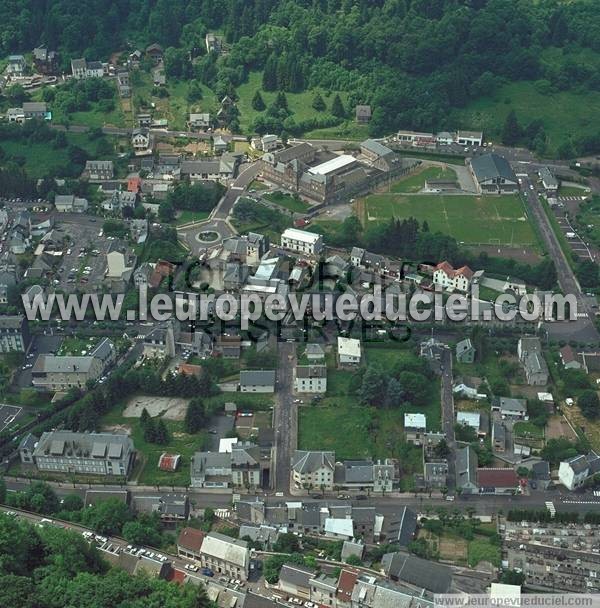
pixel 596 492
pixel 551 508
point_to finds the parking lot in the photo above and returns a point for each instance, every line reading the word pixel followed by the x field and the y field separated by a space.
pixel 84 260
pixel 577 244
pixel 40 345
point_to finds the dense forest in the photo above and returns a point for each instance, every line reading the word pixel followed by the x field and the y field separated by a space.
pixel 413 60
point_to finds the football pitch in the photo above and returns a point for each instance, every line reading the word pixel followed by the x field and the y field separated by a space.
pixel 479 220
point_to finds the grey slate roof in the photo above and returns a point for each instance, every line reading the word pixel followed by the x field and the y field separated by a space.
pixel 257 378
pixel 375 147
pixel 298 576
pixel 307 462
pixel 492 166
pixel 416 571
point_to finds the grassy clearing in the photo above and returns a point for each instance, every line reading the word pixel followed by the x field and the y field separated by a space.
pixel 416 181
pixel 41 159
pixel 287 202
pixel 572 191
pixel 300 104
pixel 590 429
pixel 565 114
pixel 482 550
pixel 76 347
pixel 187 216
pixel 469 219
pixel 528 430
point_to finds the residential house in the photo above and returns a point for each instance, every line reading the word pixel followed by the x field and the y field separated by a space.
pixel 266 143
pixel 211 470
pixel 58 372
pixel 99 170
pixel 345 586
pixel 69 203
pixel 469 138
pixel 81 69
pixel 225 555
pixel 14 333
pixel 348 351
pixel 295 580
pixel 189 543
pixel 36 109
pixel 417 572
pixel 449 278
pixel 573 473
pixel 472 420
pixel 362 114
pixel 45 61
pixel 199 121
pixel 365 475
pixel 549 181
pixel 352 547
pixel 257 381
pixel 213 42
pixel 220 145
pixel 313 469
pixel 510 407
pixel 529 351
pixel 379 156
pixel 301 241
pixel 435 473
pixel 16 66
pixel 403 527
pixel 466 470
pixel 155 53
pixel 465 351
pixel 493 174
pixel 498 437
pixel 141 140
pixel 323 590
pixel 248 248
pixel 245 465
pixel 415 426
pixel 123 85
pixel 540 473
pixel 497 481
pixel 314 352
pixel 85 453
pixel 310 378
pixel 265 535
pixel 172 509
pixel 569 358
pixel 27 447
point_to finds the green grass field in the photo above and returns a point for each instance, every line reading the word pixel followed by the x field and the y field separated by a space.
pixel 528 429
pixel 187 216
pixel 43 159
pixel 416 181
pixel 469 219
pixel 287 202
pixel 300 104
pixel 564 114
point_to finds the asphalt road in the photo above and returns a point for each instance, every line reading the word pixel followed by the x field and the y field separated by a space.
pixel 582 329
pixel 246 176
pixel 285 417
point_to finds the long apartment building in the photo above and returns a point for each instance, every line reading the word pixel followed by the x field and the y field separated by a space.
pixel 85 453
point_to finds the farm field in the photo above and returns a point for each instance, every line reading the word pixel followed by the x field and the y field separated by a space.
pixel 469 219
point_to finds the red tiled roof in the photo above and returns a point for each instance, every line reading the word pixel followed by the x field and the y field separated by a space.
pixel 497 478
pixel 567 354
pixel 191 539
pixel 346 582
pixel 177 576
pixel 190 370
pixel 168 462
pixel 452 272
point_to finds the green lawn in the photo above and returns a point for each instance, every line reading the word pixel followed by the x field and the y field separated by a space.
pixel 481 549
pixel 77 346
pixel 564 114
pixel 41 158
pixel 469 219
pixel 588 219
pixel 287 201
pixel 187 216
pixel 300 104
pixel 528 430
pixel 571 191
pixel 416 181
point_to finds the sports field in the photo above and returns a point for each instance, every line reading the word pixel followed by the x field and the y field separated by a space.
pixel 469 219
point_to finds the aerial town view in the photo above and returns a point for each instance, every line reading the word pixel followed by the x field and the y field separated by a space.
pixel 299 303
